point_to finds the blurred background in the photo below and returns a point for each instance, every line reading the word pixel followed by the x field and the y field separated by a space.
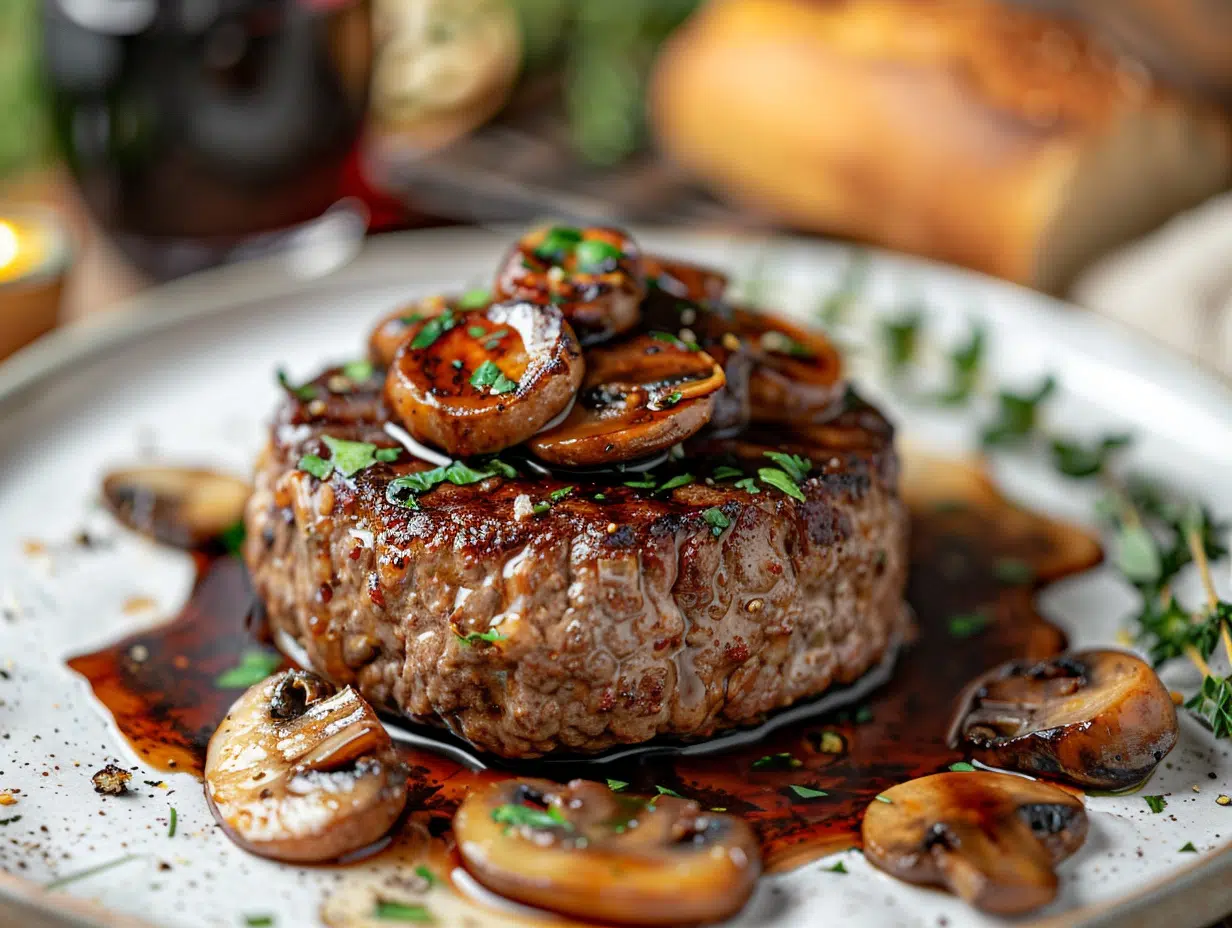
pixel 1081 147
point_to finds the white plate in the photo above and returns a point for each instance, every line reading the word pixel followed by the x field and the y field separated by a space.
pixel 188 373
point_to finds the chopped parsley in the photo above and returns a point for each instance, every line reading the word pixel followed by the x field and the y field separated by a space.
pixel 965 362
pixel 807 792
pixel 540 508
pixel 881 797
pixel 476 331
pixel 172 823
pixel 966 624
pixel 11 820
pixel 316 465
pixel 900 340
pixel 494 339
pixel 475 298
pixel 350 457
pixel 1077 460
pixel 962 767
pixel 557 495
pixel 1156 803
pixel 646 483
pixel 254 666
pixel 433 329
pixel 664 791
pixel 489 637
pixel 387 455
pixel 600 497
pixel 259 921
pixel 1017 414
pixel 616 785
pixel 781 761
pixel 781 481
pixel 716 519
pixel 402 491
pixel 1189 848
pixel 489 375
pixel 514 814
pixel 456 364
pixel 671 399
pixel 401 912
pixel 837 868
pixel 559 241
pixel 725 472
pixel 232 538
pixel 675 483
pixel 303 392
pixel 748 484
pixel 675 340
pixel 795 466
pixel 595 255
pixel 426 875
pixel 358 371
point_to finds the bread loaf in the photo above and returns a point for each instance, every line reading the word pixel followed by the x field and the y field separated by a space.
pixel 962 130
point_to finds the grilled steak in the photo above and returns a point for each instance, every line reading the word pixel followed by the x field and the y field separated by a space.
pixel 605 616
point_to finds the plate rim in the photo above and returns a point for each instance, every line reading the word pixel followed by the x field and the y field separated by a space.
pixel 164 307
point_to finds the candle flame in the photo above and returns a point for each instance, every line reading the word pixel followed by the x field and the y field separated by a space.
pixel 10 245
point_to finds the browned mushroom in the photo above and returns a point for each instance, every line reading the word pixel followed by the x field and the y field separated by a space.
pixel 992 839
pixel 640 396
pixel 593 274
pixel 796 373
pixel 394 329
pixel 683 280
pixel 1100 719
pixel 473 383
pixel 181 506
pixel 300 771
pixel 584 850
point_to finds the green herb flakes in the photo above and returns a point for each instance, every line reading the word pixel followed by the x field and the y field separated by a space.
pixel 254 666
pixel 350 457
pixel 664 791
pixel 259 921
pixel 306 392
pixel 646 483
pixel 900 340
pixel 558 243
pixel 781 761
pixel 807 792
pixel 387 455
pixel 358 371
pixel 675 483
pixel 1138 555
pixel 514 814
pixel 490 376
pixel 616 785
pixel 748 484
pixel 1189 848
pixel 1077 460
pixel 793 465
pixel 716 519
pixel 724 472
pixel 557 495
pixel 472 638
pixel 1213 704
pixel 1017 414
pixel 780 480
pixel 11 820
pixel 962 767
pixel 671 399
pixel 475 298
pixel 174 819
pixel 476 331
pixel 1156 803
pixel 967 624
pixel 317 466
pixel 837 868
pixel 401 912
pixel 540 508
pixel 426 875
pixel 401 491
pixel 595 256
pixel 433 329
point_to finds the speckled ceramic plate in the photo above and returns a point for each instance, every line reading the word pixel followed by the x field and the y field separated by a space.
pixel 185 375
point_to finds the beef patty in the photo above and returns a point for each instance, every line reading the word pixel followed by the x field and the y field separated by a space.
pixel 612 615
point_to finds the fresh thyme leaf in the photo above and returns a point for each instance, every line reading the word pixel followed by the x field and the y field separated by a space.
pixel 426 875
pixel 962 767
pixel 489 375
pixel 900 340
pixel 1189 848
pixel 557 495
pixel 350 457
pixel 795 466
pixel 90 871
pixel 1169 631
pixel 1013 571
pixel 433 329
pixel 675 483
pixel 1017 414
pixel 305 392
pixel 716 519
pixel 724 472
pixel 748 484
pixel 807 792
pixel 837 868
pixel 780 481
pixel 965 363
pixel 1077 460
pixel 1157 803
pixel 1213 704
pixel 358 371
pixel 616 785
pixel 664 791
pixel 254 666
pixel 966 625
pixel 387 911
pixel 476 298
pixel 781 761
pixel 517 814
pixel 489 637
pixel 1138 555
pixel 172 823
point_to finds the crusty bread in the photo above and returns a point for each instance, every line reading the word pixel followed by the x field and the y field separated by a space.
pixel 958 129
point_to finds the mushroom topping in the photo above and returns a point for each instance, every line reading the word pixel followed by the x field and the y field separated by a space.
pixel 684 281
pixel 584 850
pixel 300 771
pixel 796 373
pixel 477 382
pixel 180 506
pixel 394 329
pixel 1101 719
pixel 640 396
pixel 992 839
pixel 594 275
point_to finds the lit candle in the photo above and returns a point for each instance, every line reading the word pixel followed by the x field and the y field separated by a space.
pixel 33 256
pixel 28 247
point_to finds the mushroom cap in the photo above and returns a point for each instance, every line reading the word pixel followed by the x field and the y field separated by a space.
pixel 990 838
pixel 438 390
pixel 583 850
pixel 394 328
pixel 301 772
pixel 1098 718
pixel 185 507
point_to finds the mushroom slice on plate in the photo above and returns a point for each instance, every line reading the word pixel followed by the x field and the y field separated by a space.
pixel 396 327
pixel 477 382
pixel 181 506
pixel 640 396
pixel 584 850
pixel 593 274
pixel 990 838
pixel 1101 719
pixel 300 771
pixel 683 280
pixel 796 375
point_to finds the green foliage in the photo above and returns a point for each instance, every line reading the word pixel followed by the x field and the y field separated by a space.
pixel 24 137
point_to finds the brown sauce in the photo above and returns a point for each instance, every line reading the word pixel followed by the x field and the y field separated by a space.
pixel 976 563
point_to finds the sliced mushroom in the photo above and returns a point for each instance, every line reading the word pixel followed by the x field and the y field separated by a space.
pixel 584 850
pixel 640 396
pixel 683 280
pixel 992 839
pixel 300 771
pixel 1101 719
pixel 477 382
pixel 181 506
pixel 394 329
pixel 593 274
pixel 796 375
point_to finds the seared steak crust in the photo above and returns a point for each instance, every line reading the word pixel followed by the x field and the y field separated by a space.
pixel 620 618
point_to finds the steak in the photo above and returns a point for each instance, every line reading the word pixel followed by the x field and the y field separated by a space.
pixel 609 614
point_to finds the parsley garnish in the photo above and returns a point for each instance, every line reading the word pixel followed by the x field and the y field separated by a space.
pixel 962 767
pixel 1213 704
pixel 317 466
pixel 259 921
pixel 675 340
pixel 488 637
pixel 725 472
pixel 595 256
pixel 172 823
pixel 881 797
pixel 682 480
pixel 671 399
pixel 12 819
pixel 748 484
pixel 1156 803
pixel 1076 460
pixel 716 519
pixel 965 361
pixel 502 467
pixel 1017 414
pixel 476 331
pixel 401 912
pixel 401 491
pixel 304 392
pixel 476 298
pixel 646 483
pixel 807 792
pixel 426 875
pixel 434 328
pixel 967 624
pixel 664 791
pixel 900 339
pixel 540 508
pixel 254 666
pixel 616 785
pixel 358 371
pixel 559 241
pixel 232 538
pixel 795 466
pixel 837 868
pixel 782 761
pixel 489 375
pixel 515 814
pixel 557 495
pixel 1189 848
pixel 780 481
pixel 350 457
